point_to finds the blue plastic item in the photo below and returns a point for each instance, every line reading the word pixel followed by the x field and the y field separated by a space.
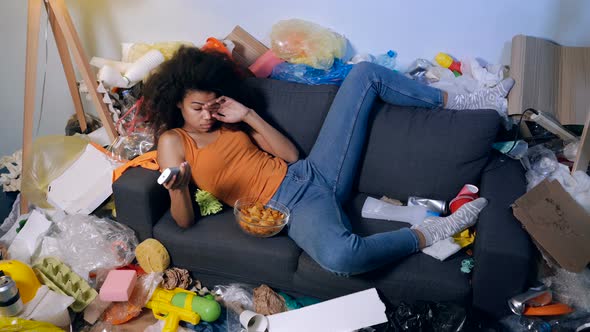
pixel 305 74
pixel 387 60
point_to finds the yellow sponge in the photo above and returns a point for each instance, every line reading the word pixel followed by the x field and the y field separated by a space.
pixel 152 256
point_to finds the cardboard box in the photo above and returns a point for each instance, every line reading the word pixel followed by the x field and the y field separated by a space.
pixel 247 48
pixel 557 223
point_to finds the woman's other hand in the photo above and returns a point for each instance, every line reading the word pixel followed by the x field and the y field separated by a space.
pixel 180 180
pixel 226 109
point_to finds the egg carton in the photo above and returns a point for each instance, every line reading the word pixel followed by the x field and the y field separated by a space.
pixel 58 277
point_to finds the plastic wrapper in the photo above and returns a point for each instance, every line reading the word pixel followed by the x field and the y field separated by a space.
pixel 303 42
pixel 570 288
pixel 128 147
pixel 87 243
pixel 15 324
pixel 305 74
pixel 541 163
pixel 133 51
pixel 122 312
pixel 51 156
pixel 418 69
pixel 427 316
pixel 235 297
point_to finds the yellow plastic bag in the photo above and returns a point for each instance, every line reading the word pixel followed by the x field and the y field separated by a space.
pixel 299 41
pixel 136 50
pixel 51 156
pixel 15 324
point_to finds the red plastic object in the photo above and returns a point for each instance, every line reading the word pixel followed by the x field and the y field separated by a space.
pixel 215 45
pixel 548 310
pixel 458 201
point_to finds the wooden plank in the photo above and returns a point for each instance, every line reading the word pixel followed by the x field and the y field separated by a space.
pixel 583 158
pixel 64 20
pixel 550 78
pixel 574 88
pixel 33 25
pixel 66 62
pixel 535 69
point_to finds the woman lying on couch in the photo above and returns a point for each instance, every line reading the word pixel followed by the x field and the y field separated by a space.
pixel 227 149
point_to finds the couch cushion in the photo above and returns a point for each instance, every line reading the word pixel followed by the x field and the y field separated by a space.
pixel 217 244
pixel 417 277
pixel 297 110
pixel 427 153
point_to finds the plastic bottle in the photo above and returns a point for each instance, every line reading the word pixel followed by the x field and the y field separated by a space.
pixel 127 102
pixel 524 323
pixel 387 60
pixel 378 209
pixel 446 61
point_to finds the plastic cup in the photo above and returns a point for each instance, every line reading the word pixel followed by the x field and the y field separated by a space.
pixel 469 190
pixel 140 68
pixel 458 201
pixel 253 322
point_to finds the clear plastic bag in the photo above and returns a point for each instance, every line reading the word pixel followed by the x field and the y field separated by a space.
pixel 128 147
pixel 51 156
pixel 305 74
pixel 87 243
pixel 539 162
pixel 303 42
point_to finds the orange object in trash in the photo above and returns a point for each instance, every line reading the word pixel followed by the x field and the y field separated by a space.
pixel 548 310
pixel 216 45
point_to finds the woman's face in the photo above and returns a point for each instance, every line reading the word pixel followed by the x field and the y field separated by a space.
pixel 196 117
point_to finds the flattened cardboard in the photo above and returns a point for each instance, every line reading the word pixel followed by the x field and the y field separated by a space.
pixel 557 223
pixel 346 313
pixel 247 48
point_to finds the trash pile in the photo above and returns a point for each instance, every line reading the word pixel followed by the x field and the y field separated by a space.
pixel 69 263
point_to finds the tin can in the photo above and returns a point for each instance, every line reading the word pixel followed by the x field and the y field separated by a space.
pixel 10 302
pixel 436 206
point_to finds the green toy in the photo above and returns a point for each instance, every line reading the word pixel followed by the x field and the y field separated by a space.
pixel 208 204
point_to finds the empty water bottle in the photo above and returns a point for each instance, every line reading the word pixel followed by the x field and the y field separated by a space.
pixel 523 323
pixel 387 60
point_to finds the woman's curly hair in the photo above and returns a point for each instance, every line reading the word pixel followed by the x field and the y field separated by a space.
pixel 190 69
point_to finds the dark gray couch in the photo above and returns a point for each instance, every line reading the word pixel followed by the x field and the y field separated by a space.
pixel 410 151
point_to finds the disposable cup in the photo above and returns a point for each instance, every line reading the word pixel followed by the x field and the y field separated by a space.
pixel 253 322
pixel 469 190
pixel 140 68
pixel 458 201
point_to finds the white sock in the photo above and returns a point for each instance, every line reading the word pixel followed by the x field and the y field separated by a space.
pixel 484 99
pixel 436 229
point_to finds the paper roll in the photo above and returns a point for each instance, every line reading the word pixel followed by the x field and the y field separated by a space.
pixel 253 322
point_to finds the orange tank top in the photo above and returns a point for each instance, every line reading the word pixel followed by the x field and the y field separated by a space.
pixel 233 167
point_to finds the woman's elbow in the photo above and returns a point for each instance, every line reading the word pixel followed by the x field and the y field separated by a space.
pixel 184 222
pixel 292 157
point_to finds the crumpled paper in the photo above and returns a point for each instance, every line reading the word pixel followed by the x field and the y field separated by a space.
pixel 176 278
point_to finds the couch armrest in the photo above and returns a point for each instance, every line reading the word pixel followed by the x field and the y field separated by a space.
pixel 140 200
pixel 503 251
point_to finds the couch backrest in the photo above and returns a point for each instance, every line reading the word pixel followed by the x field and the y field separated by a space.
pixel 409 152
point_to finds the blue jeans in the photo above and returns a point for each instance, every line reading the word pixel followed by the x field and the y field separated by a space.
pixel 315 188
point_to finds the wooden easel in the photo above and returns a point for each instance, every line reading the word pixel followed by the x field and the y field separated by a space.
pixel 67 40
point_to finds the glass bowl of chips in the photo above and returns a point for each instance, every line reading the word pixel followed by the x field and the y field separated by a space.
pixel 258 219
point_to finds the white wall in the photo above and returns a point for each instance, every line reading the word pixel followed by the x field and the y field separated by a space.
pixel 418 28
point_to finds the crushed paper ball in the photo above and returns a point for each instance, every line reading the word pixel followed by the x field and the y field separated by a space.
pixel 177 278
